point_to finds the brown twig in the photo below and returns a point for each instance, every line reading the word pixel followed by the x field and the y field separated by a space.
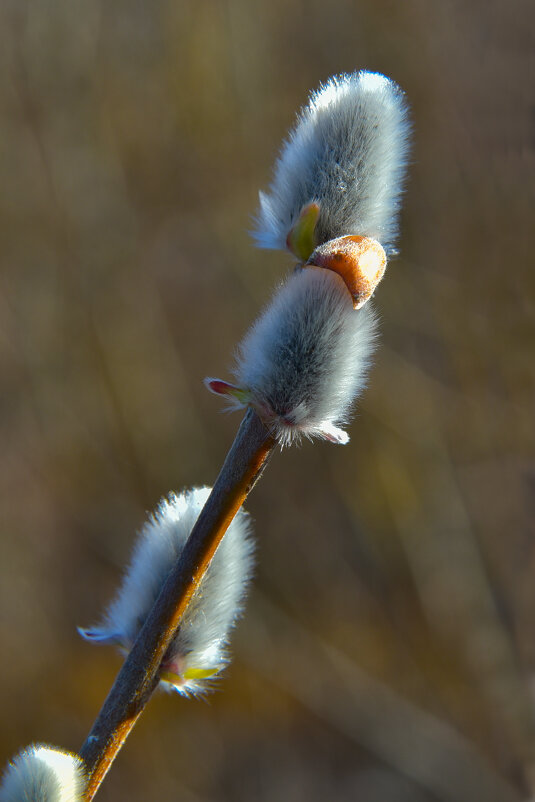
pixel 138 677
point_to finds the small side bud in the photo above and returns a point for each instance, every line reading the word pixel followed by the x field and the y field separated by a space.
pixel 43 774
pixel 359 261
pixel 198 651
pixel 237 397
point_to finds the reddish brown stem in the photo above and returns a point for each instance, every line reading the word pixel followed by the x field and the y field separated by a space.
pixel 138 677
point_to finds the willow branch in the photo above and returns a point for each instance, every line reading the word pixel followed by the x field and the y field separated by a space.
pixel 138 677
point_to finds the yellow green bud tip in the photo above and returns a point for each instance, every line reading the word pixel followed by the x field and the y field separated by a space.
pixel 199 673
pixel 301 239
pixel 189 674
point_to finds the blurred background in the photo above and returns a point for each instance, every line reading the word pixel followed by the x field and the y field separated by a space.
pixel 388 649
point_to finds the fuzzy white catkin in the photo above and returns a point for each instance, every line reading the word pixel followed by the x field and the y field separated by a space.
pixel 199 649
pixel 348 152
pixel 43 774
pixel 304 360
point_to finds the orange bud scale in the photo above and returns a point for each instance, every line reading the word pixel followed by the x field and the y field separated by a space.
pixel 359 261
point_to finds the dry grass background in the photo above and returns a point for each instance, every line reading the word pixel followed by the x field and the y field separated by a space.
pixel 388 649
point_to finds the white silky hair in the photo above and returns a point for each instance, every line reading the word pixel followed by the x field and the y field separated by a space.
pixel 348 152
pixel 43 774
pixel 305 359
pixel 200 643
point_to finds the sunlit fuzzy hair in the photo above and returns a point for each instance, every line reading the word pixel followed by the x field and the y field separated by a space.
pixel 304 360
pixel 347 152
pixel 43 774
pixel 198 651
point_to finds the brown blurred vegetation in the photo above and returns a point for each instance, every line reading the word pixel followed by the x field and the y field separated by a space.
pixel 388 649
